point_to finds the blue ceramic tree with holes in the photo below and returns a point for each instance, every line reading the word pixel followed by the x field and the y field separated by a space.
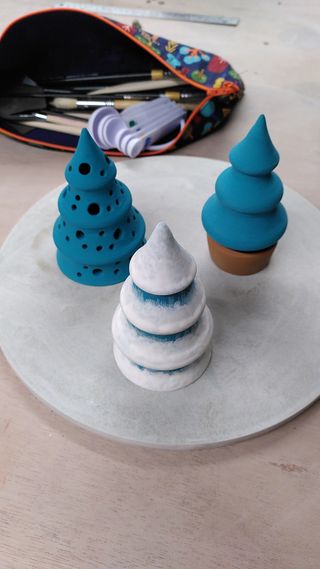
pixel 98 229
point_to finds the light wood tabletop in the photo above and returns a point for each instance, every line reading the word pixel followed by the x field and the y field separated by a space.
pixel 70 499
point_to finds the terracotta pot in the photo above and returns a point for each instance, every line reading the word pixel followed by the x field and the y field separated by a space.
pixel 239 262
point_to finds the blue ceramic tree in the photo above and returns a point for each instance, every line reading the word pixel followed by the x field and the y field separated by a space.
pixel 98 230
pixel 245 213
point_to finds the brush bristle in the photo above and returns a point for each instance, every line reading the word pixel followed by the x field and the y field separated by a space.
pixel 64 103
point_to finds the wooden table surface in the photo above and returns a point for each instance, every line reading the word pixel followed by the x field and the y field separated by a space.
pixel 72 500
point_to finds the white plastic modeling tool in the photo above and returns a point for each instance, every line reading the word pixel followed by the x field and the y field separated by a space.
pixel 140 139
pixel 136 128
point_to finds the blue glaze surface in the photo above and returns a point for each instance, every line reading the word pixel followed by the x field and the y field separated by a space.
pixel 97 228
pixel 255 155
pixel 95 208
pixel 244 213
pixel 249 194
pixel 94 274
pixel 245 232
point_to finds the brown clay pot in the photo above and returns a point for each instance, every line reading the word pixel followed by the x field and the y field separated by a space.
pixel 239 262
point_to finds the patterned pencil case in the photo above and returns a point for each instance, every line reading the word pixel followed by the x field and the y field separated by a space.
pixel 66 42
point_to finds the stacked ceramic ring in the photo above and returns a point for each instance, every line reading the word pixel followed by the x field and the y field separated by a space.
pixel 162 329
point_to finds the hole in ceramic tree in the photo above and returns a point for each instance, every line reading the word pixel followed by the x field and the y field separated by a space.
pixel 102 172
pixel 97 271
pixel 108 207
pixel 115 271
pixel 78 198
pixel 79 234
pixel 79 274
pixel 117 202
pixel 117 233
pixel 84 168
pixel 70 168
pixel 67 238
pixel 107 160
pixel 73 207
pixel 99 248
pixel 101 233
pixel 84 246
pixel 93 209
pixel 111 246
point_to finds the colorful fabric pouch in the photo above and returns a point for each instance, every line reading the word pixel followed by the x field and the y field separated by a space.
pixel 59 42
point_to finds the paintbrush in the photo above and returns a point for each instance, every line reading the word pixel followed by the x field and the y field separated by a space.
pixel 136 96
pixel 63 103
pixel 138 86
pixel 153 75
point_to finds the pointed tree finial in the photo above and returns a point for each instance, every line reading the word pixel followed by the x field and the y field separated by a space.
pixel 162 266
pixel 89 169
pixel 255 155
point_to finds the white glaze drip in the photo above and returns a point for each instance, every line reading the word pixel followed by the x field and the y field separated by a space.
pixel 160 319
pixel 156 354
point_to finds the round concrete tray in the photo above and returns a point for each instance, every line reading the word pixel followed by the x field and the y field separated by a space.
pixel 266 358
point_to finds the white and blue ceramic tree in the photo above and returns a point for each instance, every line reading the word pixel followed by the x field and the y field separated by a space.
pixel 98 229
pixel 244 219
pixel 162 328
